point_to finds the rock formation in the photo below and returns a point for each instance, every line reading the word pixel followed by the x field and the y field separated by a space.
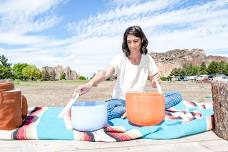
pixel 178 58
pixel 55 73
pixel 211 58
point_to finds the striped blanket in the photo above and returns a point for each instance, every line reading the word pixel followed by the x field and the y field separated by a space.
pixel 186 118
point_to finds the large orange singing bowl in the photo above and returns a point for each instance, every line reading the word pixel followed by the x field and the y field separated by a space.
pixel 145 109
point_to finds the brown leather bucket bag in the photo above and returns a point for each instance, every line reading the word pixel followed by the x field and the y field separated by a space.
pixel 13 106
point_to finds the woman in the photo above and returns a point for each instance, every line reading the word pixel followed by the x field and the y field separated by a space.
pixel 132 67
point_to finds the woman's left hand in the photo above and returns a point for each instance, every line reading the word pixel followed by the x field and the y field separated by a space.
pixel 152 80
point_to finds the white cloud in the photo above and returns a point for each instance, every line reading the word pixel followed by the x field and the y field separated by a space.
pixel 14 38
pixel 19 19
pixel 22 17
pixel 114 20
pixel 11 38
pixel 27 6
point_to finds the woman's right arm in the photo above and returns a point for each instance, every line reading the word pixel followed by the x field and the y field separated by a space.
pixel 99 77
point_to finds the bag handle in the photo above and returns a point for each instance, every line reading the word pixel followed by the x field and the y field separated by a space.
pixel 158 86
pixel 1 98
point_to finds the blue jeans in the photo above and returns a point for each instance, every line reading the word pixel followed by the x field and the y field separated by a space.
pixel 116 108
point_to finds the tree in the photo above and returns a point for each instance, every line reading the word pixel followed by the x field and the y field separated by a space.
pixel 5 72
pixel 175 72
pixel 82 78
pixel 63 76
pixel 188 69
pixel 5 69
pixel 203 68
pixel 17 68
pixel 195 70
pixel 225 70
pixel 212 68
pixel 4 61
pixel 182 72
pixel 31 72
pixel 166 78
pixel 220 67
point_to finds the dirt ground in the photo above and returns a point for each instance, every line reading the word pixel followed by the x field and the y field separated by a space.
pixel 57 93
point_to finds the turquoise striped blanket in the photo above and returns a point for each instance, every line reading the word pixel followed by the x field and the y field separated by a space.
pixel 184 119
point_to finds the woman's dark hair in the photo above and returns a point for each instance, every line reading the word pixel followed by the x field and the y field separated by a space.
pixel 136 31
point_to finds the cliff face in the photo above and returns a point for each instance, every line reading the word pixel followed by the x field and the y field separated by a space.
pixel 54 73
pixel 178 58
pixel 211 58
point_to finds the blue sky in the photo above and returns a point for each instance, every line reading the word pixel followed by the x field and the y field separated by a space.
pixel 86 34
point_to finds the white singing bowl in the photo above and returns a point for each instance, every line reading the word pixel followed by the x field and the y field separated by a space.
pixel 89 116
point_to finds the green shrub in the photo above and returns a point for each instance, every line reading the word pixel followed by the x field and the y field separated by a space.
pixel 82 78
pixel 5 72
pixel 63 76
pixel 31 72
pixel 165 78
pixel 17 69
